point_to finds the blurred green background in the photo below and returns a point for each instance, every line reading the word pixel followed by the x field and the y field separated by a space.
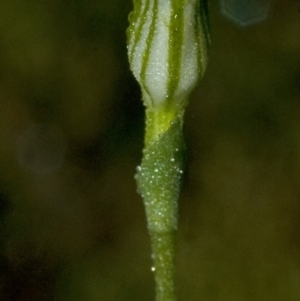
pixel 72 226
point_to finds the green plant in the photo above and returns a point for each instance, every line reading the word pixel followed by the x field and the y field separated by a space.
pixel 167 46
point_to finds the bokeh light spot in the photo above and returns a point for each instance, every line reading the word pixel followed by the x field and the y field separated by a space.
pixel 245 12
pixel 41 148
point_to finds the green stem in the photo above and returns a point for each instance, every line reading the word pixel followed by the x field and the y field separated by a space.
pixel 163 265
pixel 158 180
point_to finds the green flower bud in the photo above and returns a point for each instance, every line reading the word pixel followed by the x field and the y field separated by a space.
pixel 167 48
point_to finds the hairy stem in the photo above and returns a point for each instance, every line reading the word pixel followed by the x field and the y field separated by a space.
pixel 158 180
